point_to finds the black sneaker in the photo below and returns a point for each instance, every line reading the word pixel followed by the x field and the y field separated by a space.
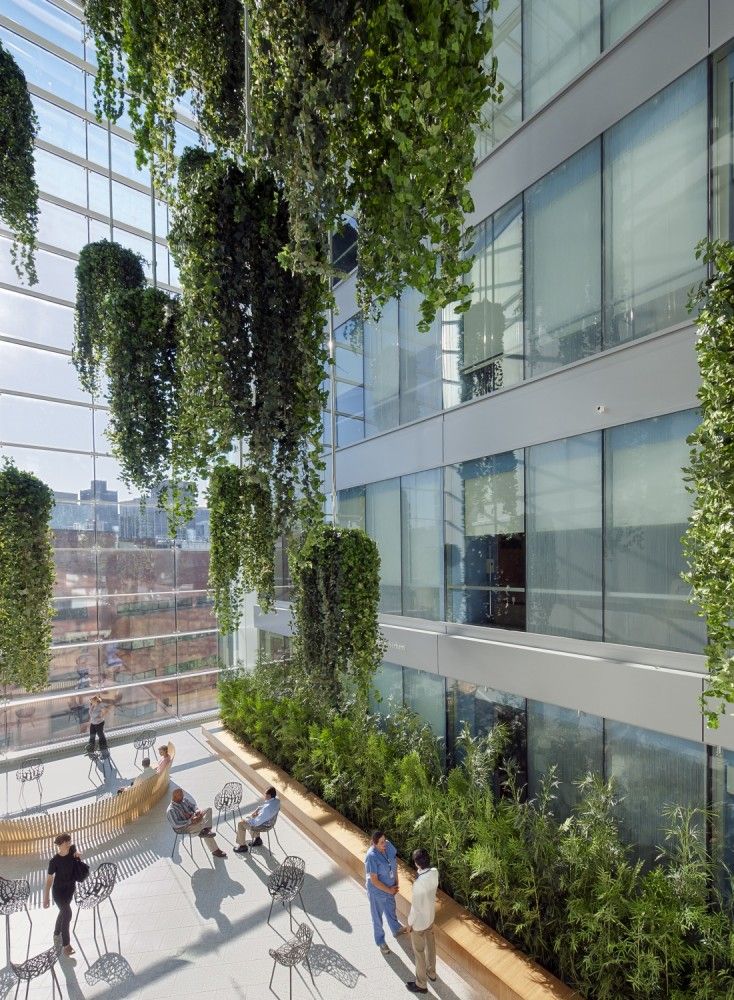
pixel 242 849
pixel 257 842
pixel 414 988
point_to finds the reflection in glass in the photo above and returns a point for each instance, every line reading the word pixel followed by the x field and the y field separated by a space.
pixel 272 647
pixel 425 694
pixel 485 541
pixel 655 209
pixel 349 378
pixel 570 741
pixel 564 537
pixel 33 319
pixel 621 15
pixel 647 507
pixel 560 38
pixel 387 695
pixel 499 120
pixel 723 144
pixel 381 371
pixel 422 544
pixel 420 361
pixel 480 709
pixel 136 616
pixel 352 508
pixel 383 526
pixel 135 571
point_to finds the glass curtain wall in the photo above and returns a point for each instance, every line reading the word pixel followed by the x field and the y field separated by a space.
pixel 421 519
pixel 723 148
pixel 571 743
pixel 133 611
pixel 383 525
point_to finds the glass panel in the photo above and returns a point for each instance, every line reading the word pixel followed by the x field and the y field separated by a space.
pixel 44 69
pixel 60 128
pixel 499 120
pixel 55 274
pixel 197 694
pixel 48 721
pixel 75 669
pixel 679 769
pixel 273 647
pixel 349 430
pixel 647 508
pixel 135 571
pixel 492 338
pixel 131 206
pixel 53 372
pixel 420 361
pixel 197 652
pixel 72 523
pixel 421 544
pixel 141 659
pixel 564 543
pixel 136 616
pixel 560 38
pixel 57 425
pixel 48 21
pixel 388 689
pixel 61 228
pixel 381 371
pixel 27 318
pixel 76 572
pixel 352 509
pixel 74 621
pixel 383 525
pixel 144 703
pixel 123 160
pixel 195 612
pixel 483 708
pixel 723 145
pixel 485 541
pixel 571 741
pixel 64 472
pixel 192 569
pixel 425 694
pixel 563 290
pixel 655 209
pixel 139 245
pixel 621 15
pixel 722 803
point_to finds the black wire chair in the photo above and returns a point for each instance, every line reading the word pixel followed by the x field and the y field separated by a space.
pixel 292 953
pixel 286 883
pixel 14 896
pixel 37 966
pixel 32 770
pixel 95 890
pixel 144 742
pixel 230 798
pixel 266 828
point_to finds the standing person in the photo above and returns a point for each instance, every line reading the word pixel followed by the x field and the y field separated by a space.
pixel 65 869
pixel 420 921
pixel 97 712
pixel 257 820
pixel 184 817
pixel 381 876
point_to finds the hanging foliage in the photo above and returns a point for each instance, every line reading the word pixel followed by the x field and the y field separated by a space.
pixel 18 188
pixel 153 55
pixel 103 267
pixel 140 342
pixel 709 540
pixel 251 356
pixel 336 592
pixel 26 578
pixel 241 554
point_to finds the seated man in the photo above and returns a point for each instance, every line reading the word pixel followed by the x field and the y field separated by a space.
pixel 256 820
pixel 184 817
pixel 145 774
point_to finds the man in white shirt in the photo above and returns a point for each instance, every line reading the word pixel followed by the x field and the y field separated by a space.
pixel 263 816
pixel 147 772
pixel 420 921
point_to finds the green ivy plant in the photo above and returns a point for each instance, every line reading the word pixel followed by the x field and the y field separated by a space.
pixel 153 54
pixel 709 540
pixel 242 541
pixel 336 592
pixel 26 578
pixel 103 267
pixel 251 354
pixel 18 188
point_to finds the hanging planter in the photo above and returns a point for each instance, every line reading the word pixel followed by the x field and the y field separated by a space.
pixel 251 355
pixel 18 188
pixel 708 543
pixel 154 56
pixel 242 542
pixel 26 579
pixel 336 592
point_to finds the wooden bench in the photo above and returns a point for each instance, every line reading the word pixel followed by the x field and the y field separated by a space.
pixel 88 824
pixel 477 953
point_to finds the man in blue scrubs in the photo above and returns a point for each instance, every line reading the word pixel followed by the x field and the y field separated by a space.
pixel 381 876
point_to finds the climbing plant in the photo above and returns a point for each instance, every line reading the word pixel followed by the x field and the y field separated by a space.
pixel 103 267
pixel 336 592
pixel 18 188
pixel 709 540
pixel 242 541
pixel 26 578
pixel 152 56
pixel 251 356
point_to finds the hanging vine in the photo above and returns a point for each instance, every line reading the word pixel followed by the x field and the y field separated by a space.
pixel 251 357
pixel 103 267
pixel 242 543
pixel 336 592
pixel 154 55
pixel 26 578
pixel 709 540
pixel 18 188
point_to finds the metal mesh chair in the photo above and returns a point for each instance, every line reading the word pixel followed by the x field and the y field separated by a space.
pixel 97 757
pixel 95 890
pixel 266 828
pixel 32 770
pixel 37 966
pixel 144 742
pixel 230 797
pixel 14 896
pixel 286 883
pixel 292 953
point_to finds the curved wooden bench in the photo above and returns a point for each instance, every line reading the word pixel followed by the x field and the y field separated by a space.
pixel 94 821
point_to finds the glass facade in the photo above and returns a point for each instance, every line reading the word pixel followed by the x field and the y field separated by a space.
pixel 132 609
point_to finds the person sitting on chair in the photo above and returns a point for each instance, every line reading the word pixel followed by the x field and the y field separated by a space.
pixel 261 817
pixel 165 758
pixel 185 818
pixel 145 774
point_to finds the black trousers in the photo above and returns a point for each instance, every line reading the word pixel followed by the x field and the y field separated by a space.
pixel 63 921
pixel 96 730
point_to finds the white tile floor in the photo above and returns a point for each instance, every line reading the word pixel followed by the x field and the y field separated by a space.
pixel 196 928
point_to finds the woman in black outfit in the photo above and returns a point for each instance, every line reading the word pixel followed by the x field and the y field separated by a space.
pixel 65 869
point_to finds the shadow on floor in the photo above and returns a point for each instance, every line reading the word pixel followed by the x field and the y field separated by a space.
pixel 324 960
